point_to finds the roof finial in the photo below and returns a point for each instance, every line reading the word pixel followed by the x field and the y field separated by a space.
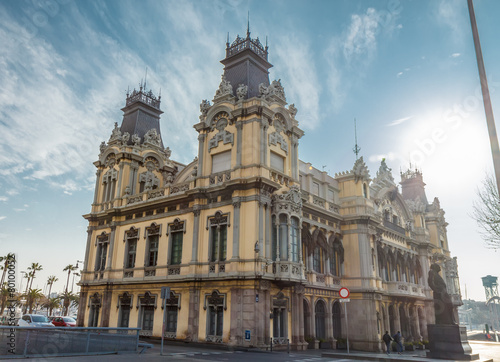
pixel 356 149
pixel 248 25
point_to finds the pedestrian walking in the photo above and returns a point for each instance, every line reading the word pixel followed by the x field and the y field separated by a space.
pixel 387 339
pixel 397 338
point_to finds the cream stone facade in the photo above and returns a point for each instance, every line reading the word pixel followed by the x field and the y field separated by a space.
pixel 250 238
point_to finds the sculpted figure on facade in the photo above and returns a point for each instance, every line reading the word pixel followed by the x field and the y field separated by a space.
pixel 242 91
pixel 116 134
pixel 360 170
pixel 443 305
pixel 292 110
pixel 102 146
pixel 125 138
pixel 152 137
pixel 204 107
pixel 136 139
pixel 274 89
pixel 224 88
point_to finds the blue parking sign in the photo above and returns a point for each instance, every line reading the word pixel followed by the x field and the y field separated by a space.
pixel 247 334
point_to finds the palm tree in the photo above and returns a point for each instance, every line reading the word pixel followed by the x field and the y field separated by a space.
pixel 69 299
pixel 31 297
pixel 50 281
pixel 34 268
pixel 52 303
pixel 4 294
pixel 10 257
pixel 70 268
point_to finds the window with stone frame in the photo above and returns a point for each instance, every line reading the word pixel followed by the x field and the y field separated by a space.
pixel 215 305
pixel 94 310
pixel 221 162
pixel 101 251
pixel 131 238
pixel 277 162
pixel 124 305
pixel 152 243
pixel 218 236
pixel 176 230
pixel 147 306
pixel 109 184
pixel 317 260
pixel 337 257
pixel 173 305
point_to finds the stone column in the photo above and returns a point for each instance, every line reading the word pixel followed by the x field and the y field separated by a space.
pixel 268 231
pixel 236 228
pixel 87 248
pixel 119 187
pixel 193 313
pixel 263 142
pixel 300 296
pixel 239 141
pixel 329 322
pixel 106 305
pixel 98 178
pixel 133 177
pixel 313 317
pixel 294 340
pixel 82 306
pixel 201 152
pixel 196 228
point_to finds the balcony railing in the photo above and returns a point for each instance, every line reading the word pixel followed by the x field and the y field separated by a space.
pixel 394 227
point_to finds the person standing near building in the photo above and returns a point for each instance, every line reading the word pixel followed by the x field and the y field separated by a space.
pixel 387 339
pixel 397 338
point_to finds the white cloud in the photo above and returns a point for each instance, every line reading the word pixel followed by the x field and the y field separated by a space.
pixel 360 39
pixel 3 198
pixel 19 210
pixel 390 156
pixel 399 74
pixel 455 55
pixel 12 192
pixel 451 16
pixel 2 217
pixel 301 82
pixel 399 121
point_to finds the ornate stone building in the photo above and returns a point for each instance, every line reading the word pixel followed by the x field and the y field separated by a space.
pixel 247 236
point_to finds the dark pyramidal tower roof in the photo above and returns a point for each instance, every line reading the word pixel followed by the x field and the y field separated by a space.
pixel 141 113
pixel 246 63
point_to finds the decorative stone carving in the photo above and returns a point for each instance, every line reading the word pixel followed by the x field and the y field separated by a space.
pixel 443 305
pixel 360 170
pixel 275 91
pixel 415 205
pixel 242 91
pixel 116 134
pixel 168 176
pixel 384 172
pixel 292 110
pixel 220 122
pixel 136 140
pixel 110 161
pixel 290 201
pixel 150 180
pixel 102 146
pixel 152 137
pixel 225 88
pixel 125 138
pixel 168 152
pixel 204 107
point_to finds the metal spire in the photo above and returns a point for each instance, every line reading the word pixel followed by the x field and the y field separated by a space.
pixel 356 149
pixel 145 77
pixel 490 120
pixel 248 25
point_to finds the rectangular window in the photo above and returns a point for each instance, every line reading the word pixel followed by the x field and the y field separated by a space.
pixel 125 315
pixel 219 242
pixel 295 240
pixel 172 318
pixel 277 162
pixel 315 189
pixel 283 237
pixel 131 252
pixel 102 251
pixel 279 328
pixel 221 162
pixel 215 320
pixel 176 251
pixel 147 318
pixel 153 250
pixel 330 196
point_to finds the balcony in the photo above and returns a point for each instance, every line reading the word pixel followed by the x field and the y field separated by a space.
pixel 288 271
pixel 394 227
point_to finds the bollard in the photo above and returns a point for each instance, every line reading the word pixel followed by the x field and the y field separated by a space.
pixel 288 345
pixel 271 343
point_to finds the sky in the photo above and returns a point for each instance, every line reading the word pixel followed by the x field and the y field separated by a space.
pixel 405 70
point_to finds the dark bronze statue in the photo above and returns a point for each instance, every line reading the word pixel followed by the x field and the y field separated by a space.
pixel 443 305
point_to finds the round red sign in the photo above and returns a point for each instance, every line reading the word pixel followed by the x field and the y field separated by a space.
pixel 344 293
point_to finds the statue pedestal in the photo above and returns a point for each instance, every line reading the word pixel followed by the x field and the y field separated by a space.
pixel 449 341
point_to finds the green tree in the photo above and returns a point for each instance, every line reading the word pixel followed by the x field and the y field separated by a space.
pixel 50 281
pixel 4 294
pixel 486 212
pixel 33 269
pixel 31 297
pixel 51 304
pixel 6 260
pixel 69 299
pixel 69 268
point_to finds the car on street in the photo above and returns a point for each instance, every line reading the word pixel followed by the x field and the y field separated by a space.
pixel 34 320
pixel 64 322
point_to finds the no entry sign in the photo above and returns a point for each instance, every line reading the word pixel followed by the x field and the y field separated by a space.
pixel 344 293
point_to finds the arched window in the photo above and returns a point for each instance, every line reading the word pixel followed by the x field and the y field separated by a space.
pixel 337 322
pixel 320 315
pixel 317 264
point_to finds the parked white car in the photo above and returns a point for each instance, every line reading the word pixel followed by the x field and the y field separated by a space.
pixel 34 320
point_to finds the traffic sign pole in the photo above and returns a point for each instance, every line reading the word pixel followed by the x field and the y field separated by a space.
pixel 344 294
pixel 347 327
pixel 163 325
